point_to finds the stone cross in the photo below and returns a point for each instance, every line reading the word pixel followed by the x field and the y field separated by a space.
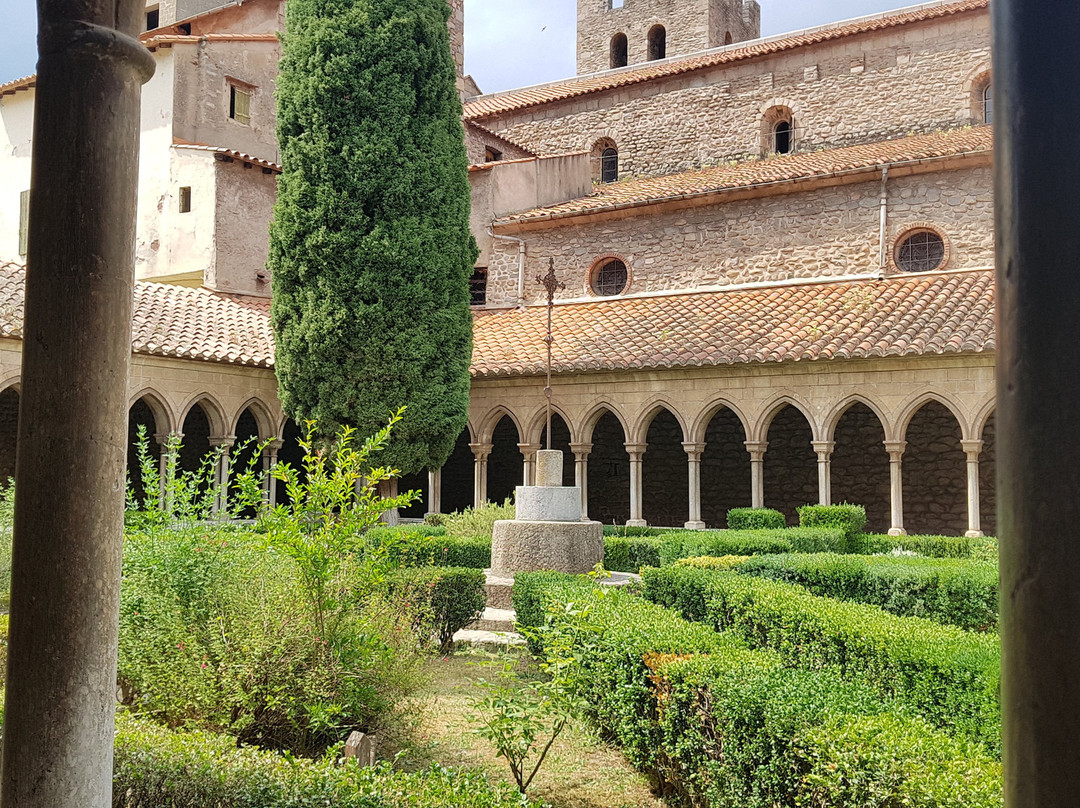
pixel 551 284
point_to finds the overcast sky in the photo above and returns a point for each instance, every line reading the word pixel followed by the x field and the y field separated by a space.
pixel 508 43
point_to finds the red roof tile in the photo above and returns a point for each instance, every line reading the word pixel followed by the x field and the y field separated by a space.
pixel 514 100
pixel 12 87
pixel 487 133
pixel 775 169
pixel 173 321
pixel 899 316
pixel 233 154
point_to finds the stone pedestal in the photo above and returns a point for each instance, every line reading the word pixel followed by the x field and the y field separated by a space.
pixel 549 532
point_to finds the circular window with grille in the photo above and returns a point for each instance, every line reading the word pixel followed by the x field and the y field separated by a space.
pixel 920 251
pixel 609 277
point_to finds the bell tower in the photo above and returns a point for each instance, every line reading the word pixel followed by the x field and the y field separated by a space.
pixel 618 33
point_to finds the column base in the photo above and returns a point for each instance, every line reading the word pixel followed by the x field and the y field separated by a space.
pixel 636 523
pixel 694 526
pixel 974 534
pixel 897 531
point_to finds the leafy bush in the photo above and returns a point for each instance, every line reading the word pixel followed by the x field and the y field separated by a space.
pixel 634 531
pixel 157 767
pixel 712 562
pixel 755 519
pixel 849 518
pixel 447 599
pixel 950 676
pixel 410 548
pixel 714 723
pixel 630 554
pixel 957 592
pixel 473 522
pixel 691 543
pixel 930 546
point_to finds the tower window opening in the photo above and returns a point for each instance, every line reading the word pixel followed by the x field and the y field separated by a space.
pixel 618 51
pixel 616 3
pixel 478 287
pixel 657 43
pixel 988 103
pixel 609 165
pixel 782 137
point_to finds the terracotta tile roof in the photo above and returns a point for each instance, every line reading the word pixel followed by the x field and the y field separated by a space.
pixel 12 87
pixel 771 170
pixel 487 133
pixel 167 40
pixel 173 321
pixel 233 154
pixel 900 316
pixel 513 100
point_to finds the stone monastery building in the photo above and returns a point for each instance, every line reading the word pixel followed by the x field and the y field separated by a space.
pixel 777 256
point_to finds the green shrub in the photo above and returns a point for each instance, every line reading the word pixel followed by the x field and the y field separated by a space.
pixel 157 767
pixel 712 562
pixel 384 534
pixel 951 591
pixel 755 519
pixel 630 554
pixel 412 548
pixel 714 723
pixel 849 518
pixel 691 543
pixel 930 546
pixel 447 599
pixel 950 676
pixel 633 531
pixel 473 522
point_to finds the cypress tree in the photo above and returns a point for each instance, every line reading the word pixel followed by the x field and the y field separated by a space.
pixel 370 246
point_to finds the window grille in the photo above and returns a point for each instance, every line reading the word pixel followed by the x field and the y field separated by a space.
pixel 610 278
pixel 923 251
pixel 609 165
pixel 478 287
pixel 988 104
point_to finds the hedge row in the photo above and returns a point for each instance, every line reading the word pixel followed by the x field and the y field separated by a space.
pixel 419 546
pixel 851 519
pixel 712 722
pixel 691 543
pixel 949 675
pixel 156 767
pixel 450 598
pixel 930 546
pixel 951 591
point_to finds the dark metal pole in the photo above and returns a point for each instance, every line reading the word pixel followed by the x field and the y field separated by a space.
pixel 1038 387
pixel 551 283
pixel 69 477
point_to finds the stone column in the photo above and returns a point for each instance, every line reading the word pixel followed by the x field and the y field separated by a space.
pixel 528 454
pixel 581 473
pixel 636 452
pixel 480 451
pixel 166 468
pixel 824 450
pixel 895 448
pixel 757 471
pixel 693 459
pixel 434 477
pixel 73 408
pixel 973 448
pixel 221 476
pixel 270 459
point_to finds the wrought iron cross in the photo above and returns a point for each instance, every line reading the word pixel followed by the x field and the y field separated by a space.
pixel 552 285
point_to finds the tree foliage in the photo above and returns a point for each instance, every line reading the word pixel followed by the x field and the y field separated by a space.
pixel 370 246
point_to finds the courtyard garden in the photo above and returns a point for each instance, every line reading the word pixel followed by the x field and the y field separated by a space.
pixel 761 665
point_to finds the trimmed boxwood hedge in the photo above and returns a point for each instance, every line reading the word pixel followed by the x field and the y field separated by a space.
pixel 631 554
pixel 454 597
pixel 419 546
pixel 154 766
pixel 950 676
pixel 691 543
pixel 951 591
pixel 930 546
pixel 755 519
pixel 849 518
pixel 712 722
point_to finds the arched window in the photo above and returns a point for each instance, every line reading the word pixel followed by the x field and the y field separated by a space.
pixel 609 165
pixel 727 37
pixel 782 137
pixel 920 251
pixel 609 277
pixel 657 43
pixel 618 51
pixel 988 103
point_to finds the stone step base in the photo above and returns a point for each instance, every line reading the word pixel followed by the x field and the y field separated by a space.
pixel 494 620
pixel 488 640
pixel 499 590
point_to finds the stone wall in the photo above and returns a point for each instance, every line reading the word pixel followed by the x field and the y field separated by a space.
pixel 791 477
pixel 935 474
pixel 690 26
pixel 860 466
pixel 9 432
pixel 665 474
pixel 725 469
pixel 987 483
pixel 856 89
pixel 458 477
pixel 829 232
pixel 609 473
pixel 505 463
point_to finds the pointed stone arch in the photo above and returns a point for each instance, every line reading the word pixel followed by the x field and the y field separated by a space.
pixel 537 423
pixel 859 464
pixel 790 473
pixel 917 401
pixel 649 411
pixel 593 414
pixel 760 430
pixel 491 420
pixel 609 465
pixel 934 469
pixel 261 412
pixel 701 423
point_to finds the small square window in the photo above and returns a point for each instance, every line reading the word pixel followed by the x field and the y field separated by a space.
pixel 153 19
pixel 240 104
pixel 185 199
pixel 492 155
pixel 478 287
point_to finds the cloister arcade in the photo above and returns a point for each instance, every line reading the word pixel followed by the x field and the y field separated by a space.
pixel 923 466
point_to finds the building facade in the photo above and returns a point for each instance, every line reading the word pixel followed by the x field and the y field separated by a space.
pixel 776 255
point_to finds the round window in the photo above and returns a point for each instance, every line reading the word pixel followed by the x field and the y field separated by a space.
pixel 609 278
pixel 922 251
